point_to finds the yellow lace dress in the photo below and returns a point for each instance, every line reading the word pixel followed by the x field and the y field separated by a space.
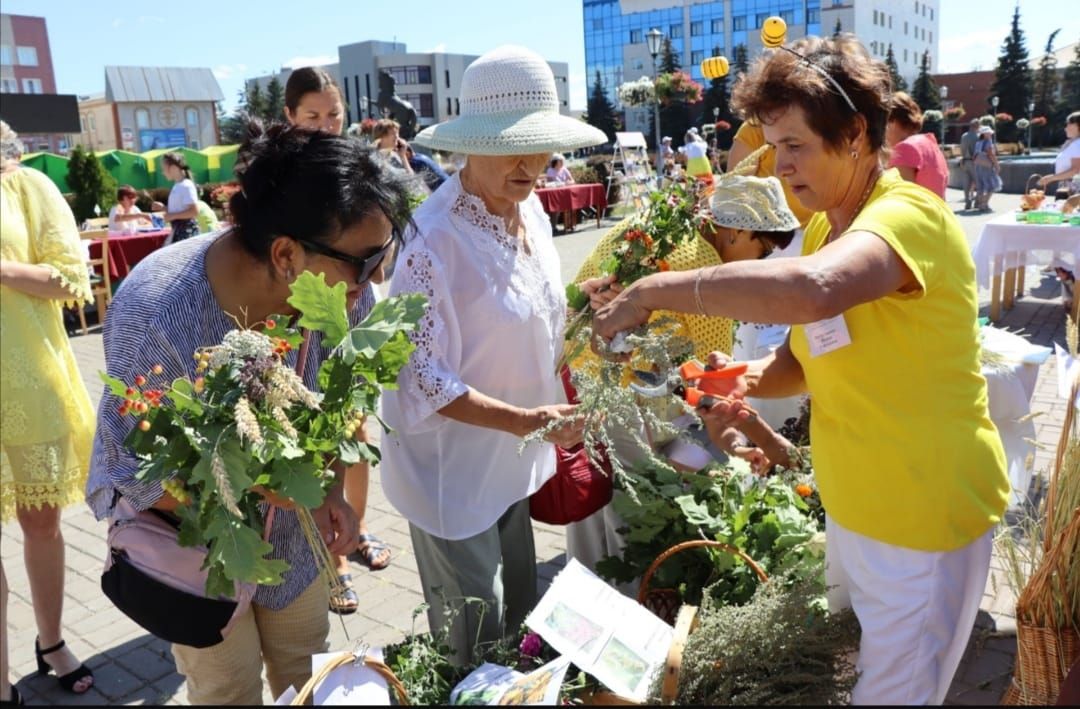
pixel 46 418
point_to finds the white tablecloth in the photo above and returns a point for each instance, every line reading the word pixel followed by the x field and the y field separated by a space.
pixel 1022 245
pixel 1009 390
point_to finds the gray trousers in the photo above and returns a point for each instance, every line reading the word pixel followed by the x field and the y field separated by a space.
pixel 497 566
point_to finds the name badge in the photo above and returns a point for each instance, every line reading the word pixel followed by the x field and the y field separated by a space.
pixel 824 336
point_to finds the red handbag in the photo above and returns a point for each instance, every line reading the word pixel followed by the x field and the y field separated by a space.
pixel 578 487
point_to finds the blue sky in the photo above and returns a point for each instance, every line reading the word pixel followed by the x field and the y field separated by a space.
pixel 239 39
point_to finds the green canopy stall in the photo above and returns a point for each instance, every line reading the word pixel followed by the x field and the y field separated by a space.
pixel 54 166
pixel 195 160
pixel 221 161
pixel 126 167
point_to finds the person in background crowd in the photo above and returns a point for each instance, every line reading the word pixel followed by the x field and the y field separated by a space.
pixel 207 219
pixel 125 217
pixel 389 143
pixel 313 102
pixel 557 171
pixel 987 169
pixel 46 418
pixel 881 263
pixel 183 207
pixel 429 171
pixel 696 150
pixel 916 155
pixel 309 201
pixel 1067 162
pixel 482 376
pixel 967 162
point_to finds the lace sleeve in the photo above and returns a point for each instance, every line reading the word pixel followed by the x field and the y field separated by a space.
pixel 430 381
pixel 54 238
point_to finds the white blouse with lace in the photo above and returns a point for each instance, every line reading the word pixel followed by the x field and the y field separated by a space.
pixel 494 324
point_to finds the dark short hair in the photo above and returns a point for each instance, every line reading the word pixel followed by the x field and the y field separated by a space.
pixel 779 239
pixel 1073 118
pixel 779 79
pixel 311 185
pixel 306 80
pixel 125 191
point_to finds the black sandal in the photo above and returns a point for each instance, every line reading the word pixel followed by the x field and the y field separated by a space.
pixel 67 681
pixel 344 601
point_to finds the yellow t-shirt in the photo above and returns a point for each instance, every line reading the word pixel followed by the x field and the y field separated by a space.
pixel 752 135
pixel 707 334
pixel 903 447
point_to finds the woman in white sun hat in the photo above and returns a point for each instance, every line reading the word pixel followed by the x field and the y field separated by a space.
pixel 482 375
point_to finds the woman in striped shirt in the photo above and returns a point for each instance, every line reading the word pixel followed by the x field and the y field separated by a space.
pixel 309 201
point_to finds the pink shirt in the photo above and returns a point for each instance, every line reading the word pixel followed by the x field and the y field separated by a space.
pixel 921 153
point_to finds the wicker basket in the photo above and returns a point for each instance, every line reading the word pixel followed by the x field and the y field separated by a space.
pixel 1043 657
pixel 684 617
pixel 1033 196
pixel 341 660
pixel 665 602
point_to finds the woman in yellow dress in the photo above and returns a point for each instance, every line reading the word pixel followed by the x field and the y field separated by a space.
pixel 46 419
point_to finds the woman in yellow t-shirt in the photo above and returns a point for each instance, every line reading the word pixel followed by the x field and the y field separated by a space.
pixel 910 468
pixel 46 418
pixel 748 219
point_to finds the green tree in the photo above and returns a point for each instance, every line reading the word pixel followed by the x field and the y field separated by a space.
pixel 275 101
pixel 254 102
pixel 600 111
pixel 92 185
pixel 894 71
pixel 924 91
pixel 837 29
pixel 669 61
pixel 1012 78
pixel 1046 82
pixel 742 60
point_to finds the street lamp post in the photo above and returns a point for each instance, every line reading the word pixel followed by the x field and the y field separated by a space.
pixel 944 93
pixel 653 38
pixel 1031 113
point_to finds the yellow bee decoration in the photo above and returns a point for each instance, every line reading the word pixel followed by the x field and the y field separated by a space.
pixel 714 67
pixel 773 32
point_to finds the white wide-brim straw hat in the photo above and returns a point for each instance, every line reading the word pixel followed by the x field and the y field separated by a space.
pixel 509 106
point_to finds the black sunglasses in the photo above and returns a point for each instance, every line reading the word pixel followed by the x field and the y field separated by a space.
pixel 366 264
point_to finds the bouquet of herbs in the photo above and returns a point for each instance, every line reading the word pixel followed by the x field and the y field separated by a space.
pixel 670 218
pixel 247 424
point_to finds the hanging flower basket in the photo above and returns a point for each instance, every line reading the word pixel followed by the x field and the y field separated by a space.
pixel 677 86
pixel 955 113
pixel 1004 117
pixel 637 93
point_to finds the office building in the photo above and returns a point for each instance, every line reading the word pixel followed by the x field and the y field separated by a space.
pixel 616 47
pixel 45 120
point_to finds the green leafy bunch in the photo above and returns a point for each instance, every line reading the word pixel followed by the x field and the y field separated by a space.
pixel 767 518
pixel 669 219
pixel 248 426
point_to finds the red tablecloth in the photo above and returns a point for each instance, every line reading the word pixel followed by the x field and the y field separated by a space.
pixel 562 199
pixel 127 250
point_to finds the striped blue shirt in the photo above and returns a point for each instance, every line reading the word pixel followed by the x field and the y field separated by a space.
pixel 162 313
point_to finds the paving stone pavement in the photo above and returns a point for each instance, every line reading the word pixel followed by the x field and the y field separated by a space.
pixel 132 667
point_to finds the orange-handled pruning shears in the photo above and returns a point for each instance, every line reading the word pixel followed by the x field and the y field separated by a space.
pixel 698 385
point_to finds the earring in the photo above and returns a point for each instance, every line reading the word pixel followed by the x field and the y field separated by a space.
pixel 854 154
pixel 289 273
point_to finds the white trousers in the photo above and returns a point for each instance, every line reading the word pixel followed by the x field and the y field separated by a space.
pixel 916 610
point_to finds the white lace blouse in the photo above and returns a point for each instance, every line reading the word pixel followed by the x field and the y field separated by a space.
pixel 494 324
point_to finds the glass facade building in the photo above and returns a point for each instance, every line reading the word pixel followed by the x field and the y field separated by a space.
pixel 695 28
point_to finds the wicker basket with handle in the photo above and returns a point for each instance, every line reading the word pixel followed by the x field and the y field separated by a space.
pixel 341 660
pixel 684 617
pixel 1033 196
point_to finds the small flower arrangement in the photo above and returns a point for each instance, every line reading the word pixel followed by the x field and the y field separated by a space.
pixel 1038 121
pixel 955 113
pixel 722 126
pixel 677 86
pixel 1003 117
pixel 221 194
pixel 933 116
pixel 1023 124
pixel 637 93
pixel 246 424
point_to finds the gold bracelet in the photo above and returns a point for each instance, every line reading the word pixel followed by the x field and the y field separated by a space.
pixel 697 292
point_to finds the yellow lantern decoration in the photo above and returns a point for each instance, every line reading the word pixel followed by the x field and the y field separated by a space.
pixel 714 67
pixel 773 32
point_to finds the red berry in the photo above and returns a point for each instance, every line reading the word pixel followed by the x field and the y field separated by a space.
pixel 157 369
pixel 144 425
pixel 129 392
pixel 140 380
pixel 123 409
